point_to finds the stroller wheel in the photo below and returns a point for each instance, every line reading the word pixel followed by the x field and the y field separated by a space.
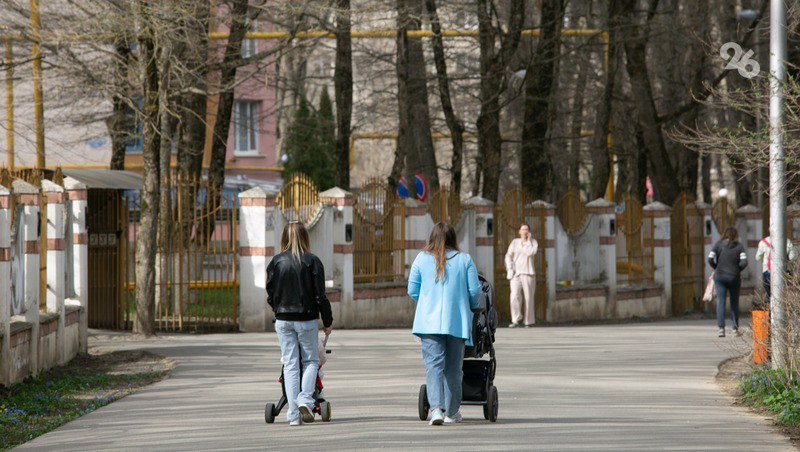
pixel 325 411
pixel 269 413
pixel 424 406
pixel 492 405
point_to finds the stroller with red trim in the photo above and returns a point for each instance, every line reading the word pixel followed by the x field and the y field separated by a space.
pixel 321 406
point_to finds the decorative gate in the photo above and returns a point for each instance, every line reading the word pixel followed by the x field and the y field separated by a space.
pixel 688 261
pixel 196 261
pixel 299 200
pixel 378 234
pixel 635 265
pixel 516 208
pixel 105 224
pixel 723 214
pixel 445 205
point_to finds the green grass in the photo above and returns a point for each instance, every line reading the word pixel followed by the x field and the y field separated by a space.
pixel 38 405
pixel 774 390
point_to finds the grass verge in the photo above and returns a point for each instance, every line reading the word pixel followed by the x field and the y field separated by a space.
pixel 776 391
pixel 51 399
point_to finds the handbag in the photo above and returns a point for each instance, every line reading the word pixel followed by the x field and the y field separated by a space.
pixel 710 292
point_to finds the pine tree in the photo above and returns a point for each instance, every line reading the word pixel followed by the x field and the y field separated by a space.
pixel 311 144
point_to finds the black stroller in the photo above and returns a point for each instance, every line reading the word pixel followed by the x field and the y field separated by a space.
pixel 321 406
pixel 477 387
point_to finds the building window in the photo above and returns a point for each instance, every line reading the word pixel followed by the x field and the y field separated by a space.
pixel 250 46
pixel 133 128
pixel 245 117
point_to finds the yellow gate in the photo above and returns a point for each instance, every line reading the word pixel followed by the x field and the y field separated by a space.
pixel 105 224
pixel 723 214
pixel 378 234
pixel 635 265
pixel 197 286
pixel 445 205
pixel 688 260
pixel 299 200
pixel 514 209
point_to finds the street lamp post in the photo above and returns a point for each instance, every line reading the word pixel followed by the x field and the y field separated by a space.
pixel 777 179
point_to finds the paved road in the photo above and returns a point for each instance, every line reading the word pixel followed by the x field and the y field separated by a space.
pixel 647 386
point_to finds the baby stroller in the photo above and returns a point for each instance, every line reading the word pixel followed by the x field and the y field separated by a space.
pixel 321 406
pixel 477 387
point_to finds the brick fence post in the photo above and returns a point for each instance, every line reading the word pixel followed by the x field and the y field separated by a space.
pixel 79 199
pixel 5 286
pixel 661 215
pixel 342 237
pixel 56 247
pixel 606 216
pixel 254 254
pixel 28 201
pixel 484 235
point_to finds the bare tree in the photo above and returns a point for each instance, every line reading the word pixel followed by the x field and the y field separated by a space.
pixel 343 87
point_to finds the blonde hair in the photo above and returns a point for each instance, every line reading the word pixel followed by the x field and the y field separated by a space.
pixel 295 239
pixel 441 240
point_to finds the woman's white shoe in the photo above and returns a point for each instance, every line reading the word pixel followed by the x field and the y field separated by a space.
pixel 437 418
pixel 453 420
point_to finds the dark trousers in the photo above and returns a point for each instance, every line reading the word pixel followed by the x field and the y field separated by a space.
pixel 725 284
pixel 767 289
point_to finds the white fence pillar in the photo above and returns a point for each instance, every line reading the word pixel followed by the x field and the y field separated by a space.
pixel 484 235
pixel 605 212
pixel 5 287
pixel 549 248
pixel 79 296
pixel 710 233
pixel 28 201
pixel 56 246
pixel 662 251
pixel 254 253
pixel 749 223
pixel 418 227
pixel 342 238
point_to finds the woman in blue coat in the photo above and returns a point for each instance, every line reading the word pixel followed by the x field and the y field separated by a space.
pixel 444 283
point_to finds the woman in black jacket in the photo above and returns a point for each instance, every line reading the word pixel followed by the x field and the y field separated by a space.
pixel 728 258
pixel 296 290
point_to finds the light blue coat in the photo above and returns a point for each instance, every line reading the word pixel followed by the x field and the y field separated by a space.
pixel 443 307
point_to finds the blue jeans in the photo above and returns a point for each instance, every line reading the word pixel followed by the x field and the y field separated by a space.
pixel 443 355
pixel 724 284
pixel 299 347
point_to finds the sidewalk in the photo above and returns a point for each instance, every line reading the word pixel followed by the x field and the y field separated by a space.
pixel 644 386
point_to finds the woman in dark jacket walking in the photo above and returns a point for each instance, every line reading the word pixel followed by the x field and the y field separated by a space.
pixel 728 258
pixel 296 290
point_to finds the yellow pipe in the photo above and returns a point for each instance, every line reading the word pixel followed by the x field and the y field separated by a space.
pixel 10 104
pixel 139 166
pixel 38 107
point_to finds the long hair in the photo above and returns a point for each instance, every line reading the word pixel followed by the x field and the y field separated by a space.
pixel 295 239
pixel 730 235
pixel 442 239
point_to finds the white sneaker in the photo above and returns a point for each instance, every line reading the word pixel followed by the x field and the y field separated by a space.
pixel 295 423
pixel 437 418
pixel 453 420
pixel 721 332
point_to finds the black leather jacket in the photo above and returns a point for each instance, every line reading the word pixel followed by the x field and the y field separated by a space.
pixel 296 289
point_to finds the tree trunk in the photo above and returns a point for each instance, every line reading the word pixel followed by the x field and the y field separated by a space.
pixel 455 125
pixel 414 135
pixel 146 239
pixel 493 66
pixel 219 142
pixel 118 124
pixel 538 176
pixel 662 173
pixel 601 159
pixel 343 92
pixel 705 170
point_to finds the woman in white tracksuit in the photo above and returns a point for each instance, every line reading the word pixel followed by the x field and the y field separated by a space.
pixel 522 276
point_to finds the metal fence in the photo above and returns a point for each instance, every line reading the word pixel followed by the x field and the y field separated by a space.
pixel 635 244
pixel 197 257
pixel 378 234
pixel 445 205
